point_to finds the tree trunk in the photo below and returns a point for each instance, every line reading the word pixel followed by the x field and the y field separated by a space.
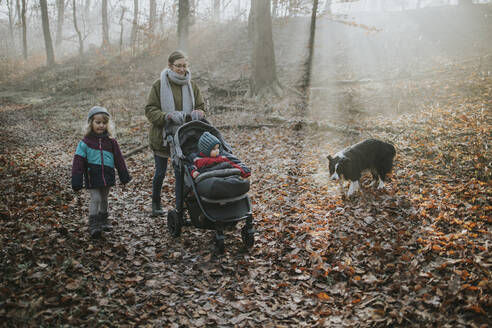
pixel 24 30
pixel 309 61
pixel 183 24
pixel 292 9
pixel 60 4
pixel 193 10
pixel 328 6
pixel 81 40
pixel 18 11
pixel 18 16
pixel 161 19
pixel 11 26
pixel 123 11
pixel 133 37
pixel 264 80
pixel 87 8
pixel 105 26
pixel 216 10
pixel 50 55
pixel 152 17
pixel 274 9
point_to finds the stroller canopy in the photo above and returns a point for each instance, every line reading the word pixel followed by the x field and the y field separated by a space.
pixel 185 140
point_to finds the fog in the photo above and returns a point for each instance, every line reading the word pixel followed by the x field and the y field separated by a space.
pixel 202 11
pixel 362 51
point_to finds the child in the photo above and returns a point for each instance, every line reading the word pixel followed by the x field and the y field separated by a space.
pixel 95 159
pixel 210 154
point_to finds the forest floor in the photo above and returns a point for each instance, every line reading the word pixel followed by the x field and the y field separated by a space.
pixel 417 254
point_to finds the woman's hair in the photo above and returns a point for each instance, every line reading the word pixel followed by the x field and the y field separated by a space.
pixel 175 55
pixel 109 127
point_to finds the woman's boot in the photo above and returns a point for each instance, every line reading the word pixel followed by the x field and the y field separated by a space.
pixel 94 226
pixel 157 209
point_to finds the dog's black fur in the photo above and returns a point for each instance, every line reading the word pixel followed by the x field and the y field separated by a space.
pixel 371 154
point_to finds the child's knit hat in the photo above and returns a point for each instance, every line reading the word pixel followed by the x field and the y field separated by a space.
pixel 207 142
pixel 97 110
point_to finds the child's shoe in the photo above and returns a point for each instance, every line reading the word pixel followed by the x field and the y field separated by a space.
pixel 104 222
pixel 94 226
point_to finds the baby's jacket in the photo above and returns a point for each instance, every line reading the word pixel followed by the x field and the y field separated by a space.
pixel 201 161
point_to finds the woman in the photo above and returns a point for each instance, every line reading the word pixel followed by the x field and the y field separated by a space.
pixel 170 96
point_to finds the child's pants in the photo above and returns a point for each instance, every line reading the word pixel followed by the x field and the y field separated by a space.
pixel 99 200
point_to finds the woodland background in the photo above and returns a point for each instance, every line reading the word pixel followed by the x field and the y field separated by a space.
pixel 414 73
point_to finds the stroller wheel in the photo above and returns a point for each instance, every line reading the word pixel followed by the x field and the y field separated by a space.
pixel 173 224
pixel 248 237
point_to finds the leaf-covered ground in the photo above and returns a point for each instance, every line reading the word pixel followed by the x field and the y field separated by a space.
pixel 416 254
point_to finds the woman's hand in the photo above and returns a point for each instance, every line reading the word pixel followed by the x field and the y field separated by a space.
pixel 197 115
pixel 176 117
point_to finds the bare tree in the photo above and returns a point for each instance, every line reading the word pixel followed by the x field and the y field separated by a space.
pixel 24 29
pixel 309 61
pixel 193 10
pixel 17 8
pixel 105 24
pixel 152 16
pixel 11 23
pixel 264 79
pixel 183 24
pixel 216 10
pixel 133 38
pixel 328 6
pixel 123 11
pixel 50 54
pixel 87 8
pixel 18 11
pixel 60 5
pixel 275 8
pixel 161 18
pixel 81 40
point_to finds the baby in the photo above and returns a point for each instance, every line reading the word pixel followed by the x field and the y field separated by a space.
pixel 210 154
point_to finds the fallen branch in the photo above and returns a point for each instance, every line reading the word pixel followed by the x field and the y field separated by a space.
pixel 223 92
pixel 246 126
pixel 135 151
pixel 300 124
pixel 226 108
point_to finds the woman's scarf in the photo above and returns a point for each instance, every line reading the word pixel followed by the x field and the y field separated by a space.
pixel 167 98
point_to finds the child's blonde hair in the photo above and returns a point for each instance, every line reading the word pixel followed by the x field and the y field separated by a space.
pixel 109 126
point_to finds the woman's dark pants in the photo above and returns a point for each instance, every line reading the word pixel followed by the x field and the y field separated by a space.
pixel 157 181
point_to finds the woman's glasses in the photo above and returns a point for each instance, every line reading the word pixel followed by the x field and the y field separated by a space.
pixel 180 66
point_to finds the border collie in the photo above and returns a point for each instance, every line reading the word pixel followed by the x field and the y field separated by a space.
pixel 371 154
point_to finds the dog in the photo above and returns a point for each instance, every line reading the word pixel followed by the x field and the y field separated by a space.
pixel 371 154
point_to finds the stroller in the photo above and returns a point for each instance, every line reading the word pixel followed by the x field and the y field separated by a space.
pixel 204 211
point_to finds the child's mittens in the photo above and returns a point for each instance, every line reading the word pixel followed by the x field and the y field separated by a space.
pixel 124 177
pixel 194 174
